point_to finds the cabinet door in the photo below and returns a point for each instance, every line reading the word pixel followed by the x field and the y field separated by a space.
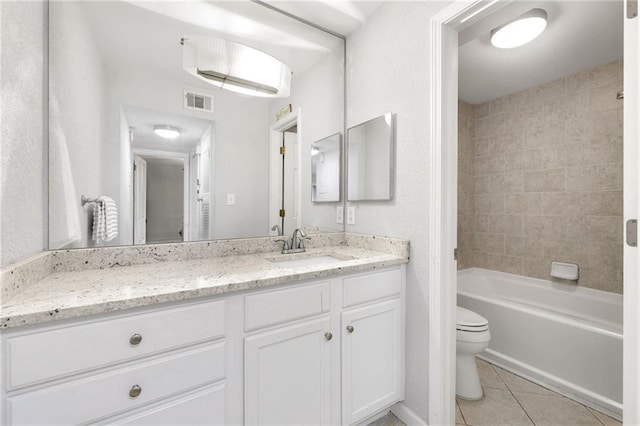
pixel 287 375
pixel 372 359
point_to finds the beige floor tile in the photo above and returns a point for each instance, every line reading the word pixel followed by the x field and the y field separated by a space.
pixel 498 407
pixel 488 376
pixel 550 410
pixel 387 420
pixel 604 419
pixel 519 384
pixel 459 419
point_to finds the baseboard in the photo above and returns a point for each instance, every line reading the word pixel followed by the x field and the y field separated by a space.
pixel 406 415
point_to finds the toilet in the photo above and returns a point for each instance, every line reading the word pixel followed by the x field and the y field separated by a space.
pixel 472 337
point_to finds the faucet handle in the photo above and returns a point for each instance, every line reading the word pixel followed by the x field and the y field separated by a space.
pixel 285 246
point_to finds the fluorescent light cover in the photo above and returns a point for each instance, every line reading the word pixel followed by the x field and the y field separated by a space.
pixel 235 67
pixel 520 31
pixel 167 132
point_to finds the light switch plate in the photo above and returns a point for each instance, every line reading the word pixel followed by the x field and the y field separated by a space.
pixel 351 215
pixel 339 214
pixel 231 199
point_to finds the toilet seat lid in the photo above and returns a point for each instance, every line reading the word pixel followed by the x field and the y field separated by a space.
pixel 467 320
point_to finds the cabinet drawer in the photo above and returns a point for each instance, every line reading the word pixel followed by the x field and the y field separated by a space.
pixel 107 394
pixel 372 286
pixel 276 307
pixel 205 407
pixel 53 353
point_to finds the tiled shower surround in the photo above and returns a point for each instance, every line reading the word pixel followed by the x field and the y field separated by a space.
pixel 540 179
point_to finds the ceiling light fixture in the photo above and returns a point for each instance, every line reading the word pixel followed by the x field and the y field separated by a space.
pixel 520 31
pixel 235 67
pixel 167 132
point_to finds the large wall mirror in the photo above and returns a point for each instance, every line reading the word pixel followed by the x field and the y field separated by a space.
pixel 118 78
pixel 370 160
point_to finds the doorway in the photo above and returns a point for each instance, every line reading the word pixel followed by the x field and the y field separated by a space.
pixel 443 182
pixel 284 184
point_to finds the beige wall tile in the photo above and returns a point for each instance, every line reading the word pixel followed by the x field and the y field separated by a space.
pixel 490 125
pixel 489 203
pixel 580 154
pixel 523 160
pixel 523 246
pixel 508 264
pixel 564 251
pixel 549 132
pixel 489 164
pixel 506 224
pixel 586 178
pixel 490 243
pixel 545 226
pixel 599 203
pixel 604 98
pixel 481 223
pixel 505 142
pixel 547 92
pixel 480 147
pixel 596 77
pixel 525 203
pixel 544 181
pixel 595 228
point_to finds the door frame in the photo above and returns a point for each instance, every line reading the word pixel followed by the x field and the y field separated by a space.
pixel 184 156
pixel 445 27
pixel 275 162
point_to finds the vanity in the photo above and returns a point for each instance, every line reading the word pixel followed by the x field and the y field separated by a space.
pixel 224 332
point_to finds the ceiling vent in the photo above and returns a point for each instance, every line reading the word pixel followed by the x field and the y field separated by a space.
pixel 198 101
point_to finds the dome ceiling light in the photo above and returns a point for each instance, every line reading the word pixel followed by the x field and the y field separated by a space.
pixel 520 31
pixel 167 132
pixel 236 67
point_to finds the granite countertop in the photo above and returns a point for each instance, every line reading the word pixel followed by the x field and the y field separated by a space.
pixel 74 291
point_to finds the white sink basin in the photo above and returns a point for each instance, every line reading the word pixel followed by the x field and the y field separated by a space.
pixel 288 261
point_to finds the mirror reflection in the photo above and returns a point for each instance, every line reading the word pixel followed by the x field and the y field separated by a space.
pixel 325 169
pixel 181 157
pixel 370 163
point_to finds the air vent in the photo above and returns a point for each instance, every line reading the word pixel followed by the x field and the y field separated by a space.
pixel 198 101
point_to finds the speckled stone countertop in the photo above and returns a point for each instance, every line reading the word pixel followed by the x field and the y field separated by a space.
pixel 73 283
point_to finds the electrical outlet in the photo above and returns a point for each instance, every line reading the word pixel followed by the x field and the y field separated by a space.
pixel 339 214
pixel 231 199
pixel 351 215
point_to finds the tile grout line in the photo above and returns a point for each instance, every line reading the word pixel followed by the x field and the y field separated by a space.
pixel 461 415
pixel 513 395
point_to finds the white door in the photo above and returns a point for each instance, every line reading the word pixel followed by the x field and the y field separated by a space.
pixel 204 213
pixel 372 365
pixel 139 200
pixel 631 384
pixel 287 375
pixel 289 182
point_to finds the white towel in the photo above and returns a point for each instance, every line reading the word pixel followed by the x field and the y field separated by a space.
pixel 105 220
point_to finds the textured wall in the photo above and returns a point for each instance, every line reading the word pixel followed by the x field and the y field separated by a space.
pixel 388 71
pixel 22 78
pixel 548 179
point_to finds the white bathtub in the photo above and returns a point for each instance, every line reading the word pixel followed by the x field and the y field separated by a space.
pixel 559 335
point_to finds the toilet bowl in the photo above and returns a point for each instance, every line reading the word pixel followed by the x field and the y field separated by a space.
pixel 472 337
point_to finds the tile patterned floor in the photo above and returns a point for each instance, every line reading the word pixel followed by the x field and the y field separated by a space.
pixel 512 400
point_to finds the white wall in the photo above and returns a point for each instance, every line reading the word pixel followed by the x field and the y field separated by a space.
pixel 76 132
pixel 319 93
pixel 388 71
pixel 22 162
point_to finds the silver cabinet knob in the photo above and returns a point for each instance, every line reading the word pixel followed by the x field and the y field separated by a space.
pixel 350 328
pixel 135 391
pixel 328 336
pixel 135 339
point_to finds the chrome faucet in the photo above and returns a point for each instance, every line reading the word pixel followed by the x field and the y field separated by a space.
pixel 295 244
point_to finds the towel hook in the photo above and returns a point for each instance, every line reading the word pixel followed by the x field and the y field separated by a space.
pixel 84 200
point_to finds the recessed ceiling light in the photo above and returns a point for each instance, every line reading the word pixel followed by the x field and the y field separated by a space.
pixel 167 132
pixel 520 31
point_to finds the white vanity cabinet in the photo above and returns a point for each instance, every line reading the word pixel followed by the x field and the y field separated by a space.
pixel 328 351
pixel 86 371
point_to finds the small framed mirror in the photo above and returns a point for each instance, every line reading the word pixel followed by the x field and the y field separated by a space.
pixel 326 158
pixel 370 160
